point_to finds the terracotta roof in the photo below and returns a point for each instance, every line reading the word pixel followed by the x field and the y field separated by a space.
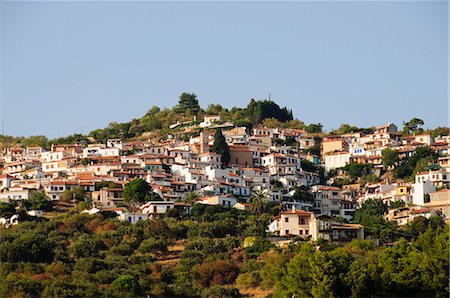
pixel 298 212
pixel 8 177
pixel 418 211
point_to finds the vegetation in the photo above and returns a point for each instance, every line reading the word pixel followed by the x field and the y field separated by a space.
pixel 389 157
pixel 157 122
pixel 220 146
pixel 137 190
pixel 407 168
pixel 217 251
pixel 413 126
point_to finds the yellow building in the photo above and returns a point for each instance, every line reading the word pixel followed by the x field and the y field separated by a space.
pixel 333 145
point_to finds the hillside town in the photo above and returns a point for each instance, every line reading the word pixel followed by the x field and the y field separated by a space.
pixel 311 188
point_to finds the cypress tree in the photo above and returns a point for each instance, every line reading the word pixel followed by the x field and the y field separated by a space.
pixel 221 147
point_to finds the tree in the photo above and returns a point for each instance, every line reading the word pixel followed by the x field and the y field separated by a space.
pixel 371 207
pixel 188 102
pixel 314 128
pixel 137 190
pixel 389 157
pixel 218 272
pixel 77 193
pixel 418 162
pixel 272 123
pixel 397 204
pixel 7 209
pixel 258 110
pixel 356 170
pixel 439 131
pixel 259 200
pixel 413 126
pixel 221 147
pixel 345 128
pixel 302 194
pixel 191 197
pixel 126 285
pixel 39 201
pixel 87 246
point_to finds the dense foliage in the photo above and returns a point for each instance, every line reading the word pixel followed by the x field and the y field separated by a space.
pixel 137 190
pixel 217 252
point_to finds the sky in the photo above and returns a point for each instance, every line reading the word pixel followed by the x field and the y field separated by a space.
pixel 76 66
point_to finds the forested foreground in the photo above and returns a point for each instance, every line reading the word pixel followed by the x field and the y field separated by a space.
pixel 219 253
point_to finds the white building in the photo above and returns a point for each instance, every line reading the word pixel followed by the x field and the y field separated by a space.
pixel 336 160
pixel 420 189
pixel 133 217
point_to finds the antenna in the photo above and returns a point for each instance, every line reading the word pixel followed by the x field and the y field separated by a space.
pixel 269 97
pixel 3 129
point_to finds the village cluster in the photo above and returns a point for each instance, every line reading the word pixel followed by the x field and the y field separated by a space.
pixel 179 166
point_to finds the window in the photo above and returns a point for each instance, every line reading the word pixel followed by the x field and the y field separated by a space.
pixel 302 221
pixel 301 232
pixel 306 232
pixel 287 232
pixel 286 219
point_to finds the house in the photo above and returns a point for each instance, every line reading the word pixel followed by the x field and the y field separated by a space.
pixel 306 142
pixel 335 160
pixel 386 128
pixel 223 200
pixel 440 200
pixel 209 120
pixel 262 132
pixel 323 227
pixel 114 143
pixel 5 180
pixel 211 158
pixel 34 152
pixel 154 150
pixel 241 155
pixel 420 190
pixel 100 150
pixel 107 197
pixel 444 161
pixel 14 193
pixel 405 215
pixel 281 164
pixel 242 206
pixel 153 165
pixel 330 145
pixel 236 136
pixel 37 213
pixel 293 222
pixel 56 166
pixel 15 168
pixel 439 178
pixel 155 208
pixel 132 217
pixel 327 200
pixel 54 189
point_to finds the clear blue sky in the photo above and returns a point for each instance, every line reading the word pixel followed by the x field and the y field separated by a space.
pixel 67 65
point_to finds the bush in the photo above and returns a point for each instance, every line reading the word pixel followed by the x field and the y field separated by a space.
pixel 152 245
pixel 126 286
pixel 87 246
pixel 249 279
pixel 219 272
